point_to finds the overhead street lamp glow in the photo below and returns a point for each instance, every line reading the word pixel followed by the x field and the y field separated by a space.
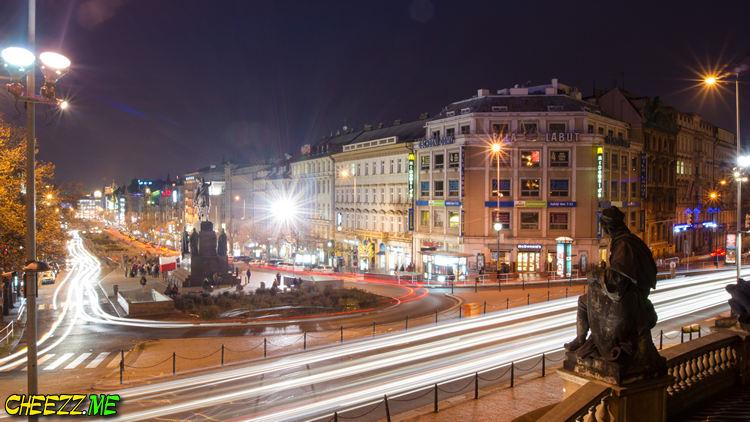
pixel 743 161
pixel 64 104
pixel 496 148
pixel 710 80
pixel 17 60
pixel 54 65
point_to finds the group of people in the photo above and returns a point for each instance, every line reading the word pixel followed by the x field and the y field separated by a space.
pixel 141 265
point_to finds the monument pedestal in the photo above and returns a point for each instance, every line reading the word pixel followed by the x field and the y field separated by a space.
pixel 641 401
pixel 207 262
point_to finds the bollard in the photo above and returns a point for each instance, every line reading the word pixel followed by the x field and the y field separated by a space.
pixel 265 347
pixel 566 293
pixel 342 333
pixel 547 295
pixel 682 337
pixel 699 333
pixel 436 317
pixel 476 285
pixel 174 363
pixel 122 364
pixel 499 287
pixel 523 284
pixel 451 287
pixel 373 328
pixel 544 364
pixel 512 374
pixel 661 339
pixel 476 385
pixel 335 416
pixel 304 340
pixel 435 409
pixel 460 311
pixel 406 323
pixel 485 307
pixel 528 298
pixel 690 335
pixel 222 355
pixel 387 409
pixel 507 303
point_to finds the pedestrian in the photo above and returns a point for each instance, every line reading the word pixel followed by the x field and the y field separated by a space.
pixel 143 281
pixel 247 275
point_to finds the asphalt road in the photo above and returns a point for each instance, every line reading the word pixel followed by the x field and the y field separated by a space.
pixel 316 383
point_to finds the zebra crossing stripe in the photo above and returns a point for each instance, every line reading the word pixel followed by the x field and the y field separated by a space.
pixel 41 360
pixel 114 362
pixel 59 361
pixel 97 360
pixel 77 361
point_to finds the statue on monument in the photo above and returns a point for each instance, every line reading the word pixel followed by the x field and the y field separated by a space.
pixel 202 200
pixel 221 247
pixel 194 242
pixel 185 244
pixel 617 313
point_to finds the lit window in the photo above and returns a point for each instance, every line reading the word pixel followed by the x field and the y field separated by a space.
pixel 453 187
pixel 424 162
pixel 559 158
pixel 500 217
pixel 559 187
pixel 437 219
pixel 424 188
pixel 454 219
pixel 453 160
pixel 530 187
pixel 439 161
pixel 424 218
pixel 439 188
pixel 504 187
pixel 558 221
pixel 530 158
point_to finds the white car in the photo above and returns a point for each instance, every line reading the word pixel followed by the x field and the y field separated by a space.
pixel 323 269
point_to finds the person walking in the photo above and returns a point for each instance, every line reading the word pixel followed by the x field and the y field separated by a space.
pixel 247 276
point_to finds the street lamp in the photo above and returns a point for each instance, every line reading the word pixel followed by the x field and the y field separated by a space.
pixel 711 81
pixel 19 61
pixel 495 150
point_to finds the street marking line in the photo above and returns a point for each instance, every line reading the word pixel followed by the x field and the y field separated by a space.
pixel 41 360
pixel 114 362
pixel 59 361
pixel 97 360
pixel 671 333
pixel 77 361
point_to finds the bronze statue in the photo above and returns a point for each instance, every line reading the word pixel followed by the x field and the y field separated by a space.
pixel 185 244
pixel 221 247
pixel 617 312
pixel 202 199
pixel 194 242
pixel 740 301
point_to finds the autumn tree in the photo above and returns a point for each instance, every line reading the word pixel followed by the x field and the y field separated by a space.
pixel 50 236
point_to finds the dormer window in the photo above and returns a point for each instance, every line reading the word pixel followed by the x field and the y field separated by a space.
pixel 555 108
pixel 499 108
pixel 450 113
pixel 466 110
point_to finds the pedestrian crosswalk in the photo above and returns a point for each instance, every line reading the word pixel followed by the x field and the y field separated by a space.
pixel 49 362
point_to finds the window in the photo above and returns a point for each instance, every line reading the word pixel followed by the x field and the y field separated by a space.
pixel 358 170
pixel 633 219
pixel 465 129
pixel 505 160
pixel 529 221
pixel 454 219
pixel 399 165
pixel 439 188
pixel 624 162
pixel 453 187
pixel 530 187
pixel 424 188
pixel 499 128
pixel 615 161
pixel 424 218
pixel 530 158
pixel 529 127
pixel 453 160
pixel 633 164
pixel 559 158
pixel 600 130
pixel 439 161
pixel 613 189
pixel 382 167
pixel 390 195
pixel 557 127
pixel 435 134
pixel 502 217
pixel 391 167
pixel 367 169
pixel 559 187
pixel 450 132
pixel 504 187
pixel 590 129
pixel 558 221
pixel 606 160
pixel 437 219
pixel 424 162
pixel 634 189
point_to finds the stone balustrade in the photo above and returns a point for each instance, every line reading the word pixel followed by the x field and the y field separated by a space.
pixel 697 371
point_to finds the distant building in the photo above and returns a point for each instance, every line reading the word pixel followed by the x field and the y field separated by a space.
pixel 88 208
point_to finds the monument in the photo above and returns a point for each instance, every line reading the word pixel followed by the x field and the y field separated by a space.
pixel 208 257
pixel 613 327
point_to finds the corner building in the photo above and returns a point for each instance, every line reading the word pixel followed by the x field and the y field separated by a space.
pixel 562 162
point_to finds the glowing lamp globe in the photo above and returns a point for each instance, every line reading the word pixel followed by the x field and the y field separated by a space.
pixel 54 66
pixel 17 61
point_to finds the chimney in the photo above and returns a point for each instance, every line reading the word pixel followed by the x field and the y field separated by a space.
pixel 368 127
pixel 396 122
pixel 483 92
pixel 380 125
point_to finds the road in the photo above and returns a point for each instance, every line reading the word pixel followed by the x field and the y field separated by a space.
pixel 316 383
pixel 80 332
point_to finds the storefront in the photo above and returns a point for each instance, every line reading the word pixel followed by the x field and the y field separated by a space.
pixel 529 257
pixel 444 266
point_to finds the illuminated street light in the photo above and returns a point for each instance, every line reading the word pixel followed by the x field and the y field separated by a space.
pixel 743 161
pixel 497 226
pixel 236 198
pixel 284 210
pixel 54 66
pixel 17 60
pixel 713 195
pixel 710 80
pixel 722 182
pixel 97 194
pixel 64 104
pixel 495 148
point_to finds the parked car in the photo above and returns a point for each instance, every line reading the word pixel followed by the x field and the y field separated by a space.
pixel 243 258
pixel 286 266
pixel 323 269
pixel 47 277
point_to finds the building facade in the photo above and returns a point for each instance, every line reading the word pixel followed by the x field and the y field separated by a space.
pixel 562 161
pixel 373 198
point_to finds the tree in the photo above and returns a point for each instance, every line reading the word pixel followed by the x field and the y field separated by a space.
pixel 50 236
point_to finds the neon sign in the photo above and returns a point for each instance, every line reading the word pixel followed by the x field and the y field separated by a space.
pixel 599 172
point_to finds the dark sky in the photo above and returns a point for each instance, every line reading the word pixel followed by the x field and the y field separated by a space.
pixel 165 86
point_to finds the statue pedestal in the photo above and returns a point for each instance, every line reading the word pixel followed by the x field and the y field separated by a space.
pixel 639 401
pixel 207 262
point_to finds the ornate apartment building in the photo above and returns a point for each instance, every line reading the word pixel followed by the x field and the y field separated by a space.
pixel 562 161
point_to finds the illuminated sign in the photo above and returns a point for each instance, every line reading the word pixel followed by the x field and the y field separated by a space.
pixel 643 175
pixel 561 204
pixel 411 176
pixel 681 227
pixel 599 172
pixel 530 204
pixel 437 141
pixel 411 219
pixel 561 136
pixel 529 247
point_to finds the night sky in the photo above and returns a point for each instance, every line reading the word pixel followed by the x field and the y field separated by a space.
pixel 166 86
